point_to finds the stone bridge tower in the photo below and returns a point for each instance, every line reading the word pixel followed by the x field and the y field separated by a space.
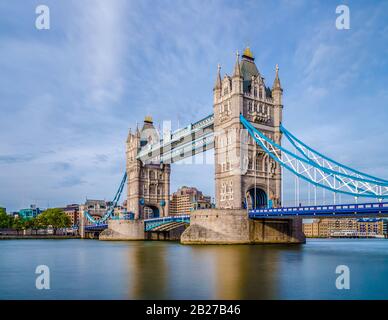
pixel 244 175
pixel 148 184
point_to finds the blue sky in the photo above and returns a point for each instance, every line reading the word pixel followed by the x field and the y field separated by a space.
pixel 69 94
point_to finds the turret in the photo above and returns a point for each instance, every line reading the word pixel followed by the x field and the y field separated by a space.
pixel 237 79
pixel 277 94
pixel 277 91
pixel 217 86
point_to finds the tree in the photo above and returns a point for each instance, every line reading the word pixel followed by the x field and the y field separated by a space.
pixel 35 224
pixel 41 222
pixel 56 218
pixel 29 224
pixel 18 224
pixel 5 219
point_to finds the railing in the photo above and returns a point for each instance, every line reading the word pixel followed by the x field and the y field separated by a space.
pixel 149 224
pixel 176 136
pixel 336 209
pixel 96 227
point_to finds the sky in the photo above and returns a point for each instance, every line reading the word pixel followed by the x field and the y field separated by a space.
pixel 68 95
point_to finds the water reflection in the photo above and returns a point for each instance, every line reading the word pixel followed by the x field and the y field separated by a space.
pixel 147 264
pixel 172 271
pixel 87 269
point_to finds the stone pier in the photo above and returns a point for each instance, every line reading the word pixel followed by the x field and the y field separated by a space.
pixel 134 230
pixel 230 226
pixel 124 230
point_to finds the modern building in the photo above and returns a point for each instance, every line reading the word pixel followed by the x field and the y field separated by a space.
pixel 187 199
pixel 328 228
pixel 72 210
pixel 29 213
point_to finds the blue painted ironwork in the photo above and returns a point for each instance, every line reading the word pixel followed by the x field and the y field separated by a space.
pixel 339 210
pixel 319 174
pixel 318 157
pixel 96 227
pixel 150 224
pixel 109 212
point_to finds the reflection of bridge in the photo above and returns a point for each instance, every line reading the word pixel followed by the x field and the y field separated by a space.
pixel 246 133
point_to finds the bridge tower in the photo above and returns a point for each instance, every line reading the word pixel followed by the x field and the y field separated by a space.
pixel 148 184
pixel 244 174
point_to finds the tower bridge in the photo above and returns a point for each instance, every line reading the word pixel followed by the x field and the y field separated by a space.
pixel 245 130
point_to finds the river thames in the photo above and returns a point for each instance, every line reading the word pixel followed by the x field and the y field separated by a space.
pixel 91 269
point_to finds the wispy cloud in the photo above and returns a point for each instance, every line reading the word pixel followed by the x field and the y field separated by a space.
pixel 69 95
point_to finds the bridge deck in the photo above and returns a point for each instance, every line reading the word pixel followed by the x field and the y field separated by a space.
pixel 340 210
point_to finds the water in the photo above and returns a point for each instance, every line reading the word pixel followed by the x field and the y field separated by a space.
pixel 91 269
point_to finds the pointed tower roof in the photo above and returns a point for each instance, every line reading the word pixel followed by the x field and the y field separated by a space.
pixel 276 82
pixel 217 85
pixel 148 133
pixel 237 71
pixel 248 68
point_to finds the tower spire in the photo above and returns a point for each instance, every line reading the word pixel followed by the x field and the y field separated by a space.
pixel 276 83
pixel 218 79
pixel 129 137
pixel 237 71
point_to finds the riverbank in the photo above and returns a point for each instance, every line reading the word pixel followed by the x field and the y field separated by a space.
pixel 37 237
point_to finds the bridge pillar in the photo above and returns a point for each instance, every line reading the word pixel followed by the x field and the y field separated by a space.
pixel 231 226
pixel 82 224
pixel 124 230
pixel 148 184
pixel 241 165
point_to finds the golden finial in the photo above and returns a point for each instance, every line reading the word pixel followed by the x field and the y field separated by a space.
pixel 148 119
pixel 248 53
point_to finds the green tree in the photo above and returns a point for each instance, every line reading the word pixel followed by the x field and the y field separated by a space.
pixel 34 224
pixel 41 222
pixel 38 224
pixel 56 218
pixel 5 219
pixel 18 224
